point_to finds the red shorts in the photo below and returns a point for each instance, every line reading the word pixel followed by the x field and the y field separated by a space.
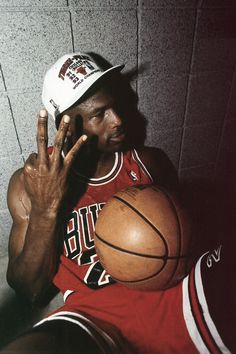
pixel 177 320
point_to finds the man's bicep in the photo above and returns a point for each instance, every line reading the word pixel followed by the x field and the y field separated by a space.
pixel 19 208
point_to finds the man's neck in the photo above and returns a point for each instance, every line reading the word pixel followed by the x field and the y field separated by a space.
pixel 93 164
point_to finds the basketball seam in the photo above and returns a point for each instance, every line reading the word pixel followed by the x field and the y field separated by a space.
pixel 155 228
pixel 164 257
pixel 139 280
pixel 164 241
pixel 146 220
pixel 136 253
pixel 179 229
pixel 139 255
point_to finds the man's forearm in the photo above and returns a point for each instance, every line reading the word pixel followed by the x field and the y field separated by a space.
pixel 33 269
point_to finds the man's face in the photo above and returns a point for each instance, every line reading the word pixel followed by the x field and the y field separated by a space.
pixel 98 118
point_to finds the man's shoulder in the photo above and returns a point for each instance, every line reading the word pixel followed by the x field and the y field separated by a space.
pixel 153 157
pixel 149 153
pixel 159 165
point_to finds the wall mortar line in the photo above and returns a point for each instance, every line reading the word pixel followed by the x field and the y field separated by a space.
pixel 3 79
pixel 138 42
pixel 188 86
pixel 14 123
pixel 224 124
pixel 12 115
pixel 72 33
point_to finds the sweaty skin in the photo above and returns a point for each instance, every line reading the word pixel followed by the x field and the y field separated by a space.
pixel 37 192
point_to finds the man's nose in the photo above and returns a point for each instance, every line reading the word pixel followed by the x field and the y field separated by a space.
pixel 114 118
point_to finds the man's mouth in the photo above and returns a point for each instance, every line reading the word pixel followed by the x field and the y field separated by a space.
pixel 118 137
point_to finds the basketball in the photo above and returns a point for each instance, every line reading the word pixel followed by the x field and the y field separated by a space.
pixel 143 238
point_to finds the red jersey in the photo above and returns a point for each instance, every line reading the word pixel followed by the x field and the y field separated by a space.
pixel 176 320
pixel 79 258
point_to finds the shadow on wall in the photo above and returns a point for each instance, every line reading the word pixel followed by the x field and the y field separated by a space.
pixel 212 205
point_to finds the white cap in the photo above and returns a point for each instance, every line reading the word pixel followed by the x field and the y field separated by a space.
pixel 68 79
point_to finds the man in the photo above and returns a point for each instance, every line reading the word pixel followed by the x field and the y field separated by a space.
pixel 54 202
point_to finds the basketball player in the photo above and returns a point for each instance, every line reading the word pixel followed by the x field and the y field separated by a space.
pixel 54 202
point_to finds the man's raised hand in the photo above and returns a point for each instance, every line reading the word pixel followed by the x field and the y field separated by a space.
pixel 45 175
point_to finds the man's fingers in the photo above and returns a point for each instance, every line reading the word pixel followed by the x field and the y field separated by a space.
pixel 60 138
pixel 42 136
pixel 74 150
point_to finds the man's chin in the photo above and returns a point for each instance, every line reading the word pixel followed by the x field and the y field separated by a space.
pixel 116 146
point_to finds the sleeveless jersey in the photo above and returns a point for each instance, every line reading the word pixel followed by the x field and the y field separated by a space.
pixel 176 320
pixel 79 258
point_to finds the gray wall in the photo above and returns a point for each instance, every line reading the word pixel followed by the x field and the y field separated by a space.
pixel 187 89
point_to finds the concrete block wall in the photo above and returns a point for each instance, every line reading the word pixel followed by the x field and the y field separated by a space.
pixel 186 88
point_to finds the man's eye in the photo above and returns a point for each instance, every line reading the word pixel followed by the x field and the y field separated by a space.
pixel 98 115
